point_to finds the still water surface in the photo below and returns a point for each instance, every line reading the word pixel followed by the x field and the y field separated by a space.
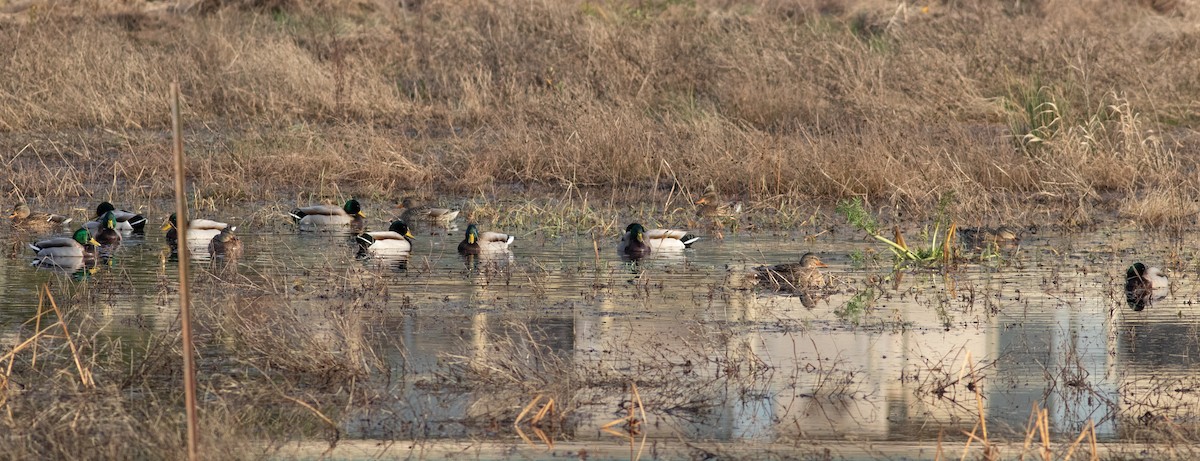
pixel 880 356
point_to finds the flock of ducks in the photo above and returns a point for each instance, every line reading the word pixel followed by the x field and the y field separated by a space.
pixel 108 227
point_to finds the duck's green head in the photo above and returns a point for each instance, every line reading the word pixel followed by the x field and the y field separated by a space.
pixel 472 234
pixel 636 230
pixel 104 207
pixel 353 208
pixel 1136 271
pixel 401 228
pixel 171 222
pixel 85 238
pixel 109 221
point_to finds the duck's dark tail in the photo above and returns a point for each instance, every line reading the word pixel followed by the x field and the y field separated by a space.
pixel 296 215
pixel 364 240
pixel 138 223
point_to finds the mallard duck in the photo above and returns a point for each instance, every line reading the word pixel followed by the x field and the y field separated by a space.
pixel 24 218
pixel 984 237
pixel 710 205
pixel 62 249
pixel 417 212
pixel 475 243
pixel 397 239
pixel 107 233
pixel 639 243
pixel 1143 285
pixel 225 243
pixel 124 221
pixel 803 275
pixel 199 231
pixel 329 216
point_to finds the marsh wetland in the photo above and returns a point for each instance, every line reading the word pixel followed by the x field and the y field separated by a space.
pixel 1074 124
pixel 560 348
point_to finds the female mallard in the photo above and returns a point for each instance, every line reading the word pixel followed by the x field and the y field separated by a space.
pixel 638 243
pixel 224 244
pixel 24 218
pixel 397 239
pixel 711 206
pixel 328 216
pixel 475 243
pixel 124 221
pixel 803 275
pixel 199 231
pixel 416 212
pixel 1143 285
pixel 984 237
pixel 63 249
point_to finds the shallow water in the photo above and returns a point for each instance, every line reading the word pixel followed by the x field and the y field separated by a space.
pixel 880 355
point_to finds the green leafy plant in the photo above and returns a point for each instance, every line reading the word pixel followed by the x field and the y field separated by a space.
pixel 939 248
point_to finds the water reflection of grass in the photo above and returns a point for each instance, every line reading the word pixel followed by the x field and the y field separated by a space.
pixel 291 357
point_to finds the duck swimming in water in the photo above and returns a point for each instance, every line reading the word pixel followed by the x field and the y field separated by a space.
pixel 803 275
pixel 124 221
pixel 396 240
pixel 488 242
pixel 64 250
pixel 36 221
pixel 225 244
pixel 1143 285
pixel 416 212
pixel 317 217
pixel 637 242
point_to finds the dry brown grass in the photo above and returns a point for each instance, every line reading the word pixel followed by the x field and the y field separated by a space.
pixel 269 372
pixel 813 100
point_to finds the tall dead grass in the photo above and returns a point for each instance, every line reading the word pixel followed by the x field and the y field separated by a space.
pixel 810 100
pixel 268 372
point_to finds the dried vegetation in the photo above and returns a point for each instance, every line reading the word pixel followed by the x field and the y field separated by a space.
pixel 1027 109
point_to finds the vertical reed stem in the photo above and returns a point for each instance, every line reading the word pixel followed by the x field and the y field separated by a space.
pixel 185 311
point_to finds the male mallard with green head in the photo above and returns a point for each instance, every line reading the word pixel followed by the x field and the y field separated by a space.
pixel 475 242
pixel 62 249
pixel 317 217
pixel 1143 285
pixel 637 242
pixel 803 275
pixel 124 221
pixel 419 213
pixel 396 240
pixel 27 219
pixel 107 233
pixel 199 231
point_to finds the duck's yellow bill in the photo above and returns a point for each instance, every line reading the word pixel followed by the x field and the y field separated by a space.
pixel 167 226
